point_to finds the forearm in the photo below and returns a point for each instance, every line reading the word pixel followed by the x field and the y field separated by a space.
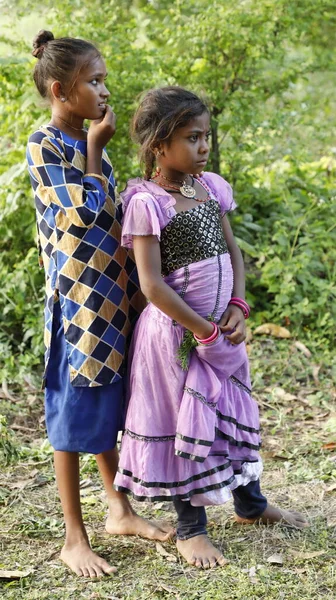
pixel 238 273
pixel 94 159
pixel 167 300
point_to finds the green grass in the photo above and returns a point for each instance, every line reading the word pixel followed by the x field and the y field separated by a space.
pixel 298 414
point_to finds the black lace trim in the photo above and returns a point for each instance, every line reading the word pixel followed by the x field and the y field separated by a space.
pixel 187 496
pixel 194 457
pixel 219 289
pixel 199 396
pixel 239 384
pixel 170 438
pixel 165 485
pixel 148 438
pixel 235 422
pixel 234 442
pixel 190 440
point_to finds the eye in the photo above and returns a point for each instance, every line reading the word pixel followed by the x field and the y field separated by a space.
pixel 208 135
pixel 94 81
pixel 193 138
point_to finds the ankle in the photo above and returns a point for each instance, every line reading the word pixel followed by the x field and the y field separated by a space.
pixel 75 537
pixel 119 507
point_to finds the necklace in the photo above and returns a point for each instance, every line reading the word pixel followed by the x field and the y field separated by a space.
pixel 179 189
pixel 71 126
pixel 188 191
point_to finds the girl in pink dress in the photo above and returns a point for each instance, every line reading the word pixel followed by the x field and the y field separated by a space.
pixel 192 427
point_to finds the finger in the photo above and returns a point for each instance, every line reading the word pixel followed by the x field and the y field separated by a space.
pixel 235 338
pixel 231 324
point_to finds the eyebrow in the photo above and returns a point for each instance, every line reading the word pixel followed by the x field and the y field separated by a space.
pixel 96 75
pixel 198 131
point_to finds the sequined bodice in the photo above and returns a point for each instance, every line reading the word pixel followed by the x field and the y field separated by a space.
pixel 192 236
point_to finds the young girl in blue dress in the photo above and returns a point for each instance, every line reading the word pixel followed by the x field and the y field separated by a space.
pixel 92 292
pixel 192 427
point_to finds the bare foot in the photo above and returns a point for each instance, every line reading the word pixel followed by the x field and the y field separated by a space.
pixel 132 524
pixel 200 552
pixel 272 514
pixel 83 561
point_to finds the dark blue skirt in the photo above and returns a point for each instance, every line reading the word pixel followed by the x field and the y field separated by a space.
pixel 79 419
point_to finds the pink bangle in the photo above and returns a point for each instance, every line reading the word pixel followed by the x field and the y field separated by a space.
pixel 211 338
pixel 242 305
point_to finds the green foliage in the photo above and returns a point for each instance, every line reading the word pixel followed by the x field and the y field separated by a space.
pixel 8 448
pixel 261 67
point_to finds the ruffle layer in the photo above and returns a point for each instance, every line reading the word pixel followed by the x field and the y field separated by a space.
pixel 205 483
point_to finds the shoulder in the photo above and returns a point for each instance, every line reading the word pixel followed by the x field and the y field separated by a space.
pixel 221 189
pixel 140 191
pixel 216 183
pixel 44 139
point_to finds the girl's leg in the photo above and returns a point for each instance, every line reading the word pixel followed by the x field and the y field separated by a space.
pixel 192 540
pixel 122 520
pixel 251 506
pixel 76 552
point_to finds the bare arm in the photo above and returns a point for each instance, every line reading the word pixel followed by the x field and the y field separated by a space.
pixel 148 260
pixel 233 318
pixel 236 260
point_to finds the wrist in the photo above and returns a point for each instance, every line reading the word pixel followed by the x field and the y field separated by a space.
pixel 204 331
pixel 241 304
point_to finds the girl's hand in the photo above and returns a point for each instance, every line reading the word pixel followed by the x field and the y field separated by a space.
pixel 233 319
pixel 102 130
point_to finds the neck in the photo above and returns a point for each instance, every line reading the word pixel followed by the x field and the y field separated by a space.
pixel 173 176
pixel 66 123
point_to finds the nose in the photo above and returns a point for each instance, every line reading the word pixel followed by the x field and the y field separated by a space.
pixel 104 92
pixel 204 146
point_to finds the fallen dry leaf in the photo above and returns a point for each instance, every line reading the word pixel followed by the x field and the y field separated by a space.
pixel 280 393
pixel 163 552
pixel 307 555
pixel 329 446
pixel 275 559
pixel 300 346
pixel 272 329
pixel 315 371
pixel 330 488
pixel 13 574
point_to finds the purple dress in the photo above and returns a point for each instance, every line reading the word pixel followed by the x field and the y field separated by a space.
pixel 190 434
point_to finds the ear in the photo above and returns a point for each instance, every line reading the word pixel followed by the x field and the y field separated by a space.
pixel 158 151
pixel 57 92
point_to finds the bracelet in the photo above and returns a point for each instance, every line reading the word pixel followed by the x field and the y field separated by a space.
pixel 242 305
pixel 211 338
pixel 100 177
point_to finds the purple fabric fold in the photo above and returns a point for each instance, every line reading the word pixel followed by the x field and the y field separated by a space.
pixel 197 420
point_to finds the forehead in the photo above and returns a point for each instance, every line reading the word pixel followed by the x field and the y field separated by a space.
pixel 93 66
pixel 200 123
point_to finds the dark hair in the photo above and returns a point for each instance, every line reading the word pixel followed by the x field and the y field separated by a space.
pixel 60 59
pixel 161 112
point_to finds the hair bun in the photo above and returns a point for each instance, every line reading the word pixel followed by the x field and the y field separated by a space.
pixel 40 41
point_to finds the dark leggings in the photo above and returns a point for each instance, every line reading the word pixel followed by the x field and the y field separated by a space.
pixel 248 500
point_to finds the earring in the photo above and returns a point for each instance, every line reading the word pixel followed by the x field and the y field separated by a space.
pixel 62 99
pixel 158 170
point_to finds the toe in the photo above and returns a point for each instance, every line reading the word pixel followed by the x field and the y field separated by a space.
pixel 86 572
pixel 98 571
pixel 222 561
pixel 92 572
pixel 206 563
pixel 108 569
pixel 198 563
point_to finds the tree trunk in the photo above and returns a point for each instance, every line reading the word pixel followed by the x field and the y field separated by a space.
pixel 215 153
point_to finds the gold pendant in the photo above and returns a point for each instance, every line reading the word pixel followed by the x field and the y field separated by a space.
pixel 187 190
